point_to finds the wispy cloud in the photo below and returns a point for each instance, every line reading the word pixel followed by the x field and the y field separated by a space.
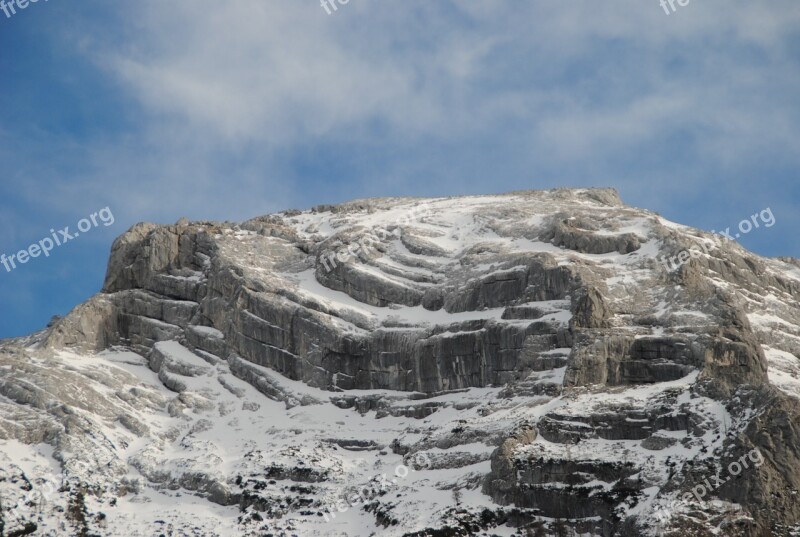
pixel 586 77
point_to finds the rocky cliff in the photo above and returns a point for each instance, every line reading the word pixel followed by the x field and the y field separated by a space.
pixel 521 364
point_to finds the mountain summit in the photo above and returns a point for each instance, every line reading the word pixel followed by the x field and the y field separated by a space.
pixel 533 363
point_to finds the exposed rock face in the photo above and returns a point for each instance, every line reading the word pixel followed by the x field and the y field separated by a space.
pixel 578 236
pixel 523 360
pixel 590 310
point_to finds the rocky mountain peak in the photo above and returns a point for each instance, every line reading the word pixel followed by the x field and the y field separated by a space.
pixel 520 364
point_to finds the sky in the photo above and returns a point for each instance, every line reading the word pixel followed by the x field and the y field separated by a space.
pixel 155 110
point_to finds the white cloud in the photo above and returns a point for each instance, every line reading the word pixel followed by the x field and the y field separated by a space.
pixel 230 93
pixel 283 72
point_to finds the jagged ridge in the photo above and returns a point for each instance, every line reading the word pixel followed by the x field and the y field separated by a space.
pixel 530 346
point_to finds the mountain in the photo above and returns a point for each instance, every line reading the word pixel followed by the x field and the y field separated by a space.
pixel 533 363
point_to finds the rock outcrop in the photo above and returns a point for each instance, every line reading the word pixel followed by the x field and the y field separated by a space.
pixel 455 365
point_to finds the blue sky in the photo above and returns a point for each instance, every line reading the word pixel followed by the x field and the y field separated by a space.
pixel 228 110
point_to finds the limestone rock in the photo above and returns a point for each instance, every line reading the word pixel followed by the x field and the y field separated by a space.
pixel 526 360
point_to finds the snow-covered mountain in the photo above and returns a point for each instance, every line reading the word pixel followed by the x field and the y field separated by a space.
pixel 520 364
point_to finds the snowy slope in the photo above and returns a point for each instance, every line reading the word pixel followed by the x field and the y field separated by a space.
pixel 251 379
